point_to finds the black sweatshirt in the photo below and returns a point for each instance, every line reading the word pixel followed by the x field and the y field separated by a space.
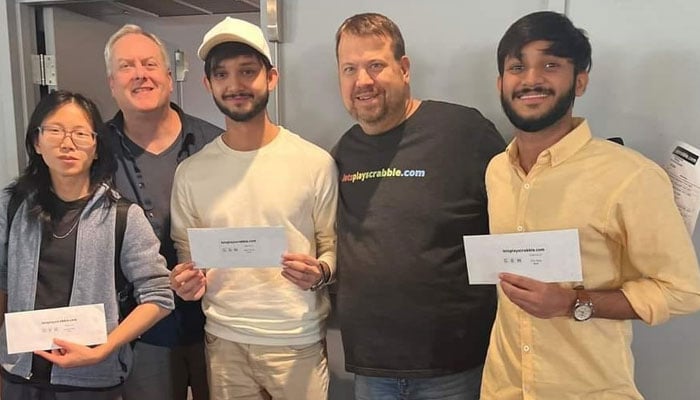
pixel 407 197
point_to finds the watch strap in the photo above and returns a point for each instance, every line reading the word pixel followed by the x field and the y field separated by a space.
pixel 325 276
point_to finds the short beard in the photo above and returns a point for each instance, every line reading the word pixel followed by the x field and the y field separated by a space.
pixel 561 107
pixel 372 119
pixel 258 107
pixel 388 111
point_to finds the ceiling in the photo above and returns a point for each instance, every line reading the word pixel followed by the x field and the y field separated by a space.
pixel 160 8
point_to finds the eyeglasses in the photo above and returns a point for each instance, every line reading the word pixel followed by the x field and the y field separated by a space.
pixel 80 137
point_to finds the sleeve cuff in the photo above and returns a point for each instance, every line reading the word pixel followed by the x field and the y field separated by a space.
pixel 647 300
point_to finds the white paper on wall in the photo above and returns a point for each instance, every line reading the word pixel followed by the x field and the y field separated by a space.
pixel 683 167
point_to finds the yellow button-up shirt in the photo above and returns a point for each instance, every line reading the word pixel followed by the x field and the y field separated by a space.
pixel 632 238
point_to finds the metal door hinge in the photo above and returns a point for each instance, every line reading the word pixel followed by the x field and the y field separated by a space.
pixel 44 69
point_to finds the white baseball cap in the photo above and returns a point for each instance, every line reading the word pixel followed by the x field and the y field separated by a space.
pixel 234 30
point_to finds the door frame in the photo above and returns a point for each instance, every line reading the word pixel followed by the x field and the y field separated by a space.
pixel 18 40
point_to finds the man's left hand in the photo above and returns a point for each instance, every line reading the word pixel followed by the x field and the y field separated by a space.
pixel 301 269
pixel 540 299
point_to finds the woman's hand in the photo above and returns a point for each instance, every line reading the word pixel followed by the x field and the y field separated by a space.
pixel 71 355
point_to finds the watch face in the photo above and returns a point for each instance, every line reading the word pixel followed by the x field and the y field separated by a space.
pixel 583 312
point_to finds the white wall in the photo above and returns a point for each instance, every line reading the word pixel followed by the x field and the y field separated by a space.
pixel 645 88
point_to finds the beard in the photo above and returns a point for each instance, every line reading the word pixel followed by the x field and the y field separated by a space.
pixel 258 107
pixel 549 118
pixel 369 116
pixel 391 106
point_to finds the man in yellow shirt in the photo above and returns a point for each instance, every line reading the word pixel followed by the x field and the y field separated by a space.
pixel 572 340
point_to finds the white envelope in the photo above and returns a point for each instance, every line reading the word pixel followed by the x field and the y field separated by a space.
pixel 35 330
pixel 548 256
pixel 237 247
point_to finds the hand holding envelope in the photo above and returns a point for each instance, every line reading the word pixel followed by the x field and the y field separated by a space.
pixel 252 247
pixel 39 330
pixel 528 267
pixel 188 282
pixel 301 269
pixel 70 354
pixel 540 299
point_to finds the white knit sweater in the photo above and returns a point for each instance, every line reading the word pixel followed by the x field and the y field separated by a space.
pixel 289 182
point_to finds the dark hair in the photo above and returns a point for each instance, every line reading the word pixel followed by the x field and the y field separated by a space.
pixel 567 41
pixel 35 181
pixel 226 50
pixel 372 24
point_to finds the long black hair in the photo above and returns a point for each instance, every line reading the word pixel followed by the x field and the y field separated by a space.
pixel 34 183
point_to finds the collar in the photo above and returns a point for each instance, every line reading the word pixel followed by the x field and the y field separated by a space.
pixel 561 151
pixel 117 122
pixel 100 191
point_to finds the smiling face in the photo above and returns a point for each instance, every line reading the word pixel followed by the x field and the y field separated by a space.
pixel 374 85
pixel 241 86
pixel 140 80
pixel 538 89
pixel 63 157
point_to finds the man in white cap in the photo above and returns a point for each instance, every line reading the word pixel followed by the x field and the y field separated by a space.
pixel 264 326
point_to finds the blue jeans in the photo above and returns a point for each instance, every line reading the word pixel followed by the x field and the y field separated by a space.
pixel 461 386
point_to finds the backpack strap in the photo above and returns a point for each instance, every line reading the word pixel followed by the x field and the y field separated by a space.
pixel 119 229
pixel 121 284
pixel 12 207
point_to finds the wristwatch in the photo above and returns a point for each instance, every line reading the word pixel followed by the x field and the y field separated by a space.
pixel 583 307
pixel 325 277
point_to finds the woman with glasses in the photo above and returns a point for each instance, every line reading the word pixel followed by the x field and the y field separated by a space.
pixel 58 250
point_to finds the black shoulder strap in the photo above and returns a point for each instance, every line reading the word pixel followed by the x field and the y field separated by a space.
pixel 12 207
pixel 119 229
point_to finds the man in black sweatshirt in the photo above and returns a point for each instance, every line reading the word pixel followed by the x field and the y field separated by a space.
pixel 411 185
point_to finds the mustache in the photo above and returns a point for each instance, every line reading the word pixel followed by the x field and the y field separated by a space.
pixel 232 95
pixel 361 92
pixel 536 90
